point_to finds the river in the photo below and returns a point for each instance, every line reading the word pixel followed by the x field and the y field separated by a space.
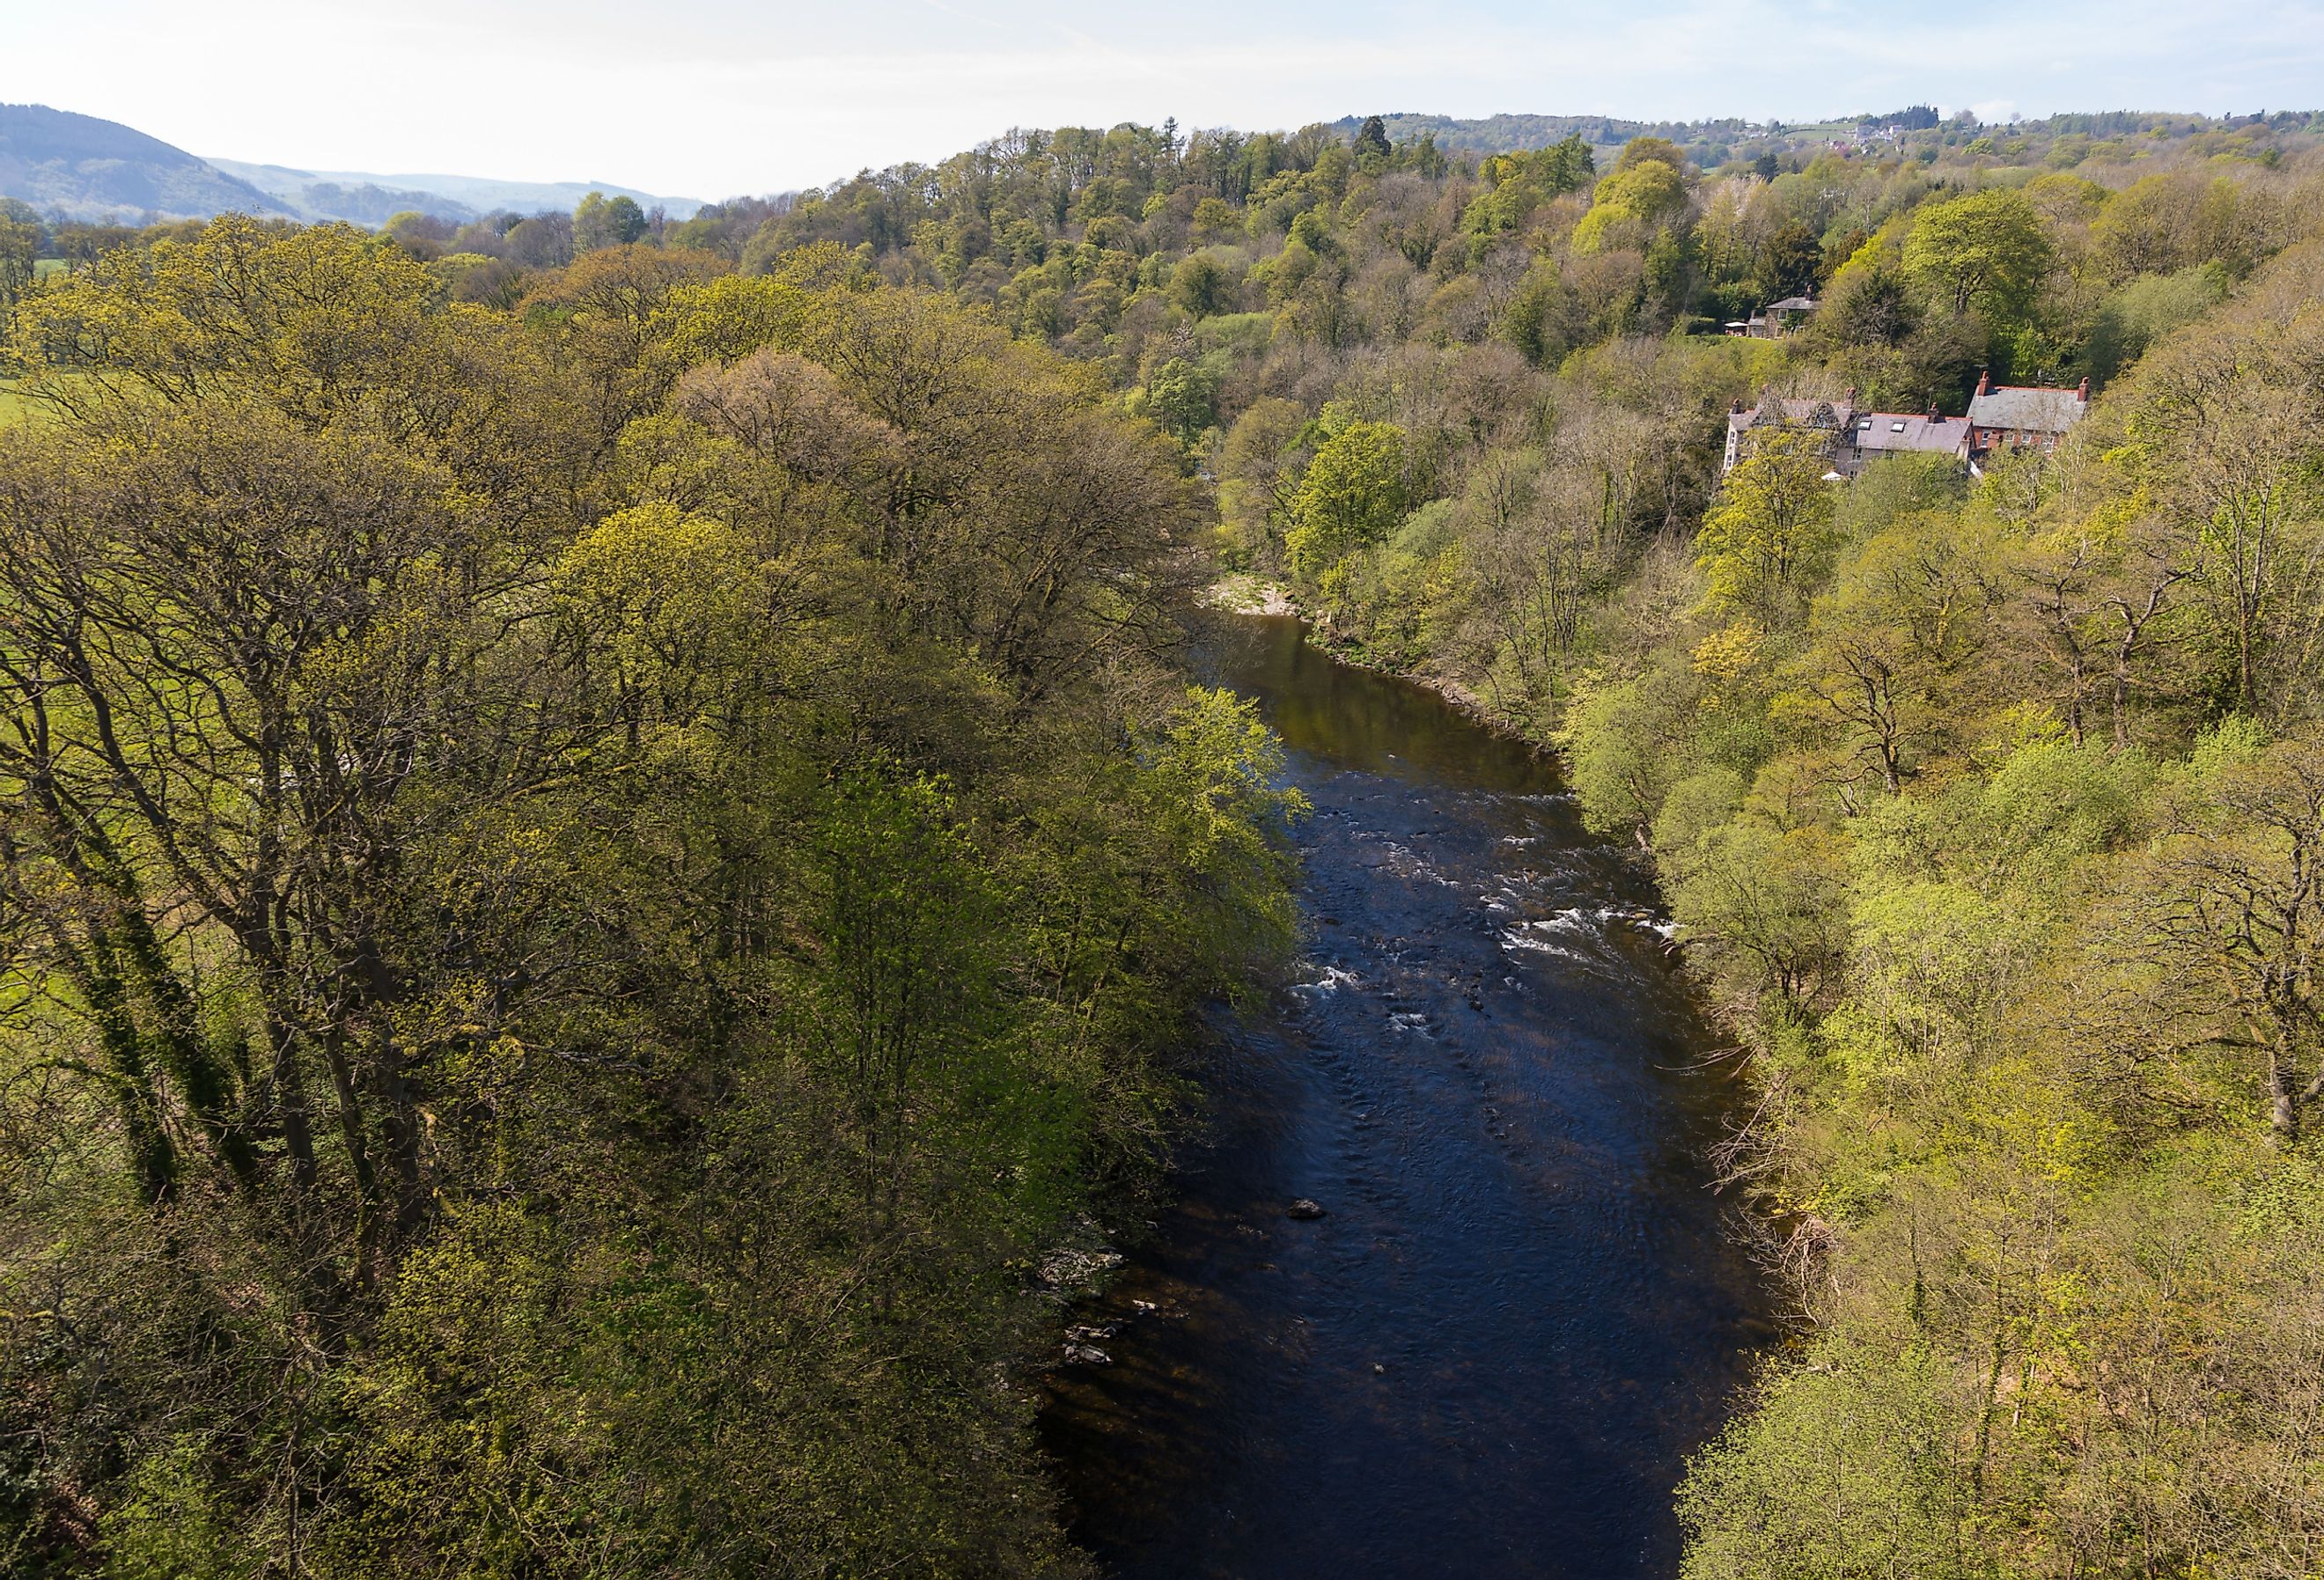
pixel 1522 1308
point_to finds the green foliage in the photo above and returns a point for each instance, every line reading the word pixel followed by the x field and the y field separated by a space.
pixel 1773 526
pixel 681 872
pixel 2148 309
pixel 599 221
pixel 671 890
pixel 1351 494
pixel 1987 251
pixel 1183 399
pixel 1629 204
pixel 1205 284
pixel 1520 183
pixel 2025 1001
pixel 1865 1450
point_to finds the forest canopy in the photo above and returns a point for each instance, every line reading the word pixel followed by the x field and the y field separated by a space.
pixel 590 892
pixel 605 854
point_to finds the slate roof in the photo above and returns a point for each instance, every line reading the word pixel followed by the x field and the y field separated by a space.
pixel 2029 410
pixel 1897 431
pixel 1790 304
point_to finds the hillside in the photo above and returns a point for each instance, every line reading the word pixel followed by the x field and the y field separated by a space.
pixel 91 169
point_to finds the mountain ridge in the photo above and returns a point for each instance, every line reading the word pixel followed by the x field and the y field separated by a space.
pixel 88 168
pixel 454 197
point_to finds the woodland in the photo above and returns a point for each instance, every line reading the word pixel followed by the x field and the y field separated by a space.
pixel 607 851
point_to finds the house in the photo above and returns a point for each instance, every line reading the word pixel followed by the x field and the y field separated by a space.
pixel 1775 414
pixel 2020 417
pixel 1774 321
pixel 1854 439
pixel 1875 434
pixel 1780 314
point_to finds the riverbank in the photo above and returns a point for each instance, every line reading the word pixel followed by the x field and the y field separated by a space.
pixel 1242 593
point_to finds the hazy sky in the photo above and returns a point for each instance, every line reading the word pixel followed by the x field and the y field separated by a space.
pixel 709 97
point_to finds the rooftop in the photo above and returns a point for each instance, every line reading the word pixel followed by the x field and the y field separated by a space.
pixel 2027 409
pixel 1903 431
pixel 1794 413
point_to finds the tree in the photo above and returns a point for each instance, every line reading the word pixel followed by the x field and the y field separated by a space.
pixel 1867 303
pixel 599 221
pixel 1907 610
pixel 1789 262
pixel 1372 139
pixel 1768 905
pixel 1988 250
pixel 1773 523
pixel 582 893
pixel 1205 284
pixel 1640 151
pixel 1351 494
pixel 1183 399
pixel 2223 438
pixel 21 236
pixel 2234 900
pixel 1627 204
pixel 1520 183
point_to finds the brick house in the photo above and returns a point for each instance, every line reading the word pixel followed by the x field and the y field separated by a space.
pixel 2020 417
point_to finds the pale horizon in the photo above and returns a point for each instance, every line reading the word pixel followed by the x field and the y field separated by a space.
pixel 710 98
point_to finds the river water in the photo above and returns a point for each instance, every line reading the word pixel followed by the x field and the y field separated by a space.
pixel 1522 1309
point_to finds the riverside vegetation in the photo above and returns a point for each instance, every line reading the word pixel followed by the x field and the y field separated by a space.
pixel 728 636
pixel 587 895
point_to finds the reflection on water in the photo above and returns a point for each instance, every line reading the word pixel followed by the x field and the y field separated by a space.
pixel 1520 1312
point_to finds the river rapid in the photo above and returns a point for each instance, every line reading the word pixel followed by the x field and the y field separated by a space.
pixel 1522 1308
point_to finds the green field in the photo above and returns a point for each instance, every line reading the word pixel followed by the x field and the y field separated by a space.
pixel 15 405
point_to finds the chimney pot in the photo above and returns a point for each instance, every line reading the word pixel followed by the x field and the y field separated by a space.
pixel 1985 381
pixel 2083 393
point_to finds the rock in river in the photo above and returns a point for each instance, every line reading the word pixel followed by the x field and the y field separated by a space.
pixel 1303 1209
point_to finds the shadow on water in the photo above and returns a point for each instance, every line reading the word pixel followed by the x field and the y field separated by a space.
pixel 1520 1314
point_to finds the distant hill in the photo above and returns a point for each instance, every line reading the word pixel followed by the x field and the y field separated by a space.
pixel 367 198
pixel 89 169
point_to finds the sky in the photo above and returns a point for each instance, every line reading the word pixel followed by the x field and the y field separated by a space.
pixel 711 99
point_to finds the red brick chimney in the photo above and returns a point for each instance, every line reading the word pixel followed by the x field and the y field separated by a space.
pixel 1985 381
pixel 2083 394
pixel 1933 414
